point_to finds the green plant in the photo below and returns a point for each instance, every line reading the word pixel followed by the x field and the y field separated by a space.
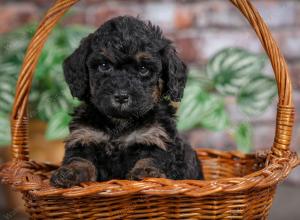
pixel 232 72
pixel 50 99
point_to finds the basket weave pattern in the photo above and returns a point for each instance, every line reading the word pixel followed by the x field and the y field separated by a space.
pixel 236 186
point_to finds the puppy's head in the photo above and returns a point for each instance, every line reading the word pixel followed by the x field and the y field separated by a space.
pixel 125 68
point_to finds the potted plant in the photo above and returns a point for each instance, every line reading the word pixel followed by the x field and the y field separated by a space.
pixel 234 74
pixel 50 99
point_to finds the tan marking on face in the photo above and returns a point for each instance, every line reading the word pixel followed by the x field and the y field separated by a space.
pixel 157 91
pixel 107 55
pixel 175 105
pixel 87 136
pixel 156 94
pixel 160 84
pixel 143 56
pixel 153 135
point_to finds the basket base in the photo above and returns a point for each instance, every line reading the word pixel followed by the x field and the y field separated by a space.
pixel 245 205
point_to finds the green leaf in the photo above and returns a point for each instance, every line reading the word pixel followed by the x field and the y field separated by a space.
pixel 199 77
pixel 58 126
pixel 188 113
pixel 4 130
pixel 50 103
pixel 217 119
pixel 201 109
pixel 233 68
pixel 7 92
pixel 243 137
pixel 255 97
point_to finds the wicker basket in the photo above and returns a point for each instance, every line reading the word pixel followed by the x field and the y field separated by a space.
pixel 237 186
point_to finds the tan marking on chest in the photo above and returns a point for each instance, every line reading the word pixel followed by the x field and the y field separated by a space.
pixel 153 135
pixel 87 136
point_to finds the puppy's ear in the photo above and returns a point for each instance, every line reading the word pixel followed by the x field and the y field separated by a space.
pixel 174 74
pixel 76 71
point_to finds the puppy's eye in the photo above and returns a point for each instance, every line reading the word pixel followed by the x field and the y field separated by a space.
pixel 105 67
pixel 143 71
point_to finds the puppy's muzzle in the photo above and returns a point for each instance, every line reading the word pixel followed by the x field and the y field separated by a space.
pixel 121 97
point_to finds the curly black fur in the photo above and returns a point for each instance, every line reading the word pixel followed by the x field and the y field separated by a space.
pixel 126 74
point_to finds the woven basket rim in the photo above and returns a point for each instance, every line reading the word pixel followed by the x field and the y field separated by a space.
pixel 271 174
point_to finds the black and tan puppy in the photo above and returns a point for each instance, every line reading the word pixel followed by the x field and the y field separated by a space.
pixel 127 74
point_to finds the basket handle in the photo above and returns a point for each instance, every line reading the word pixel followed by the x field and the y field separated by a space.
pixel 285 111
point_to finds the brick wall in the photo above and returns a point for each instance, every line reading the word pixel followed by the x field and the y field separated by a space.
pixel 199 29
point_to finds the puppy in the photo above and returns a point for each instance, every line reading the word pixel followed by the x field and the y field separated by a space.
pixel 127 75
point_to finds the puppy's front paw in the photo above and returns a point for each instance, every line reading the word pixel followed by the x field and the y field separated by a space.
pixel 78 170
pixel 65 177
pixel 140 173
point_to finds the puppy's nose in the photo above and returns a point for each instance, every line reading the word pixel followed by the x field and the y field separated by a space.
pixel 121 97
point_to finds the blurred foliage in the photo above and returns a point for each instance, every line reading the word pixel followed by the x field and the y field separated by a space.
pixel 50 99
pixel 232 72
